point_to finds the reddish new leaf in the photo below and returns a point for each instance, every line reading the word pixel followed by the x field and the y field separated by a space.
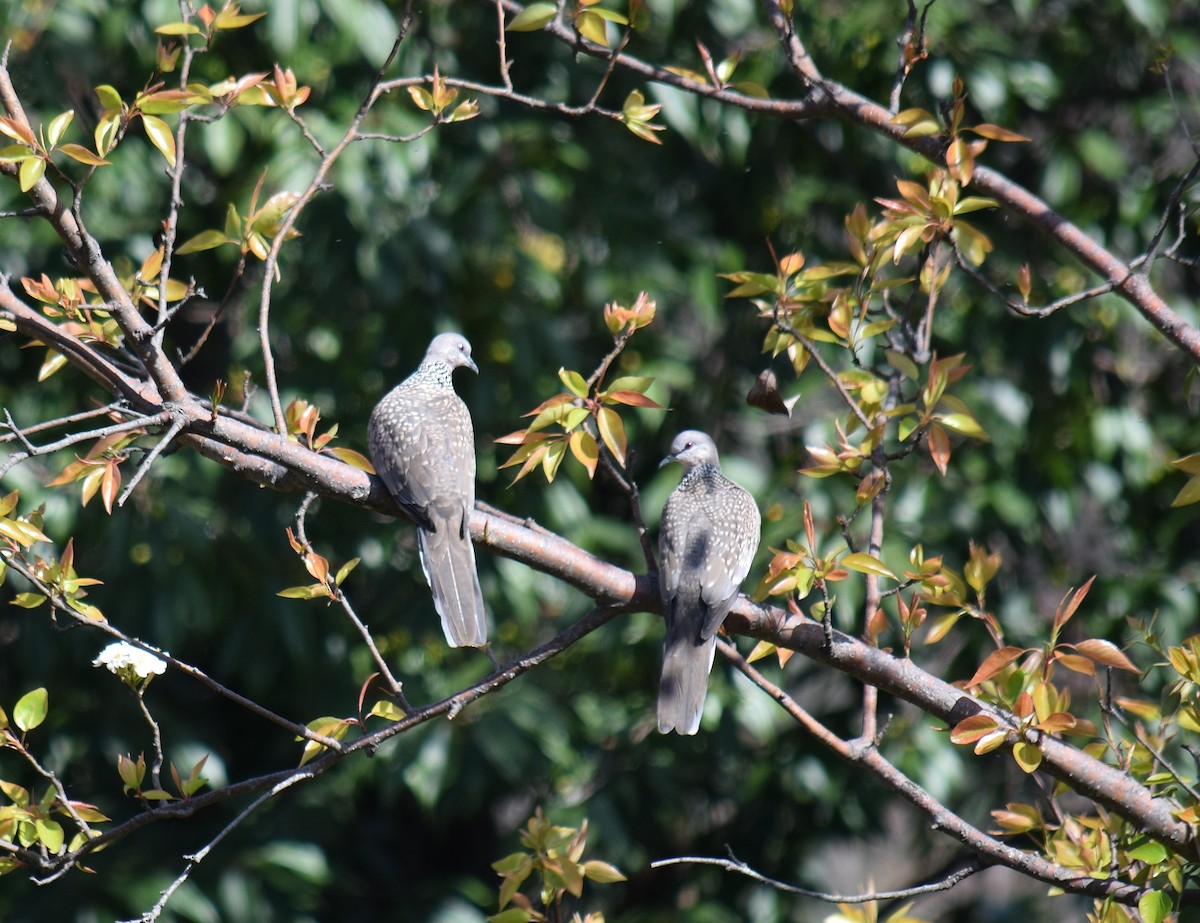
pixel 939 447
pixel 1066 608
pixel 1106 653
pixel 996 662
pixel 973 728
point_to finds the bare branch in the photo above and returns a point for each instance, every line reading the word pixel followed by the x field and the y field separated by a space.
pixel 734 864
pixel 394 685
pixel 195 859
pixel 177 425
pixel 32 450
pixel 911 42
pixel 289 221
pixel 1020 307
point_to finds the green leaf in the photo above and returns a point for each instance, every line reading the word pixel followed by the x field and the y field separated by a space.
pixel 974 204
pixel 345 569
pixel 160 136
pixel 106 131
pixel 586 452
pixel 533 17
pixel 28 600
pixel 352 458
pixel 131 772
pixel 31 708
pixel 1027 755
pixel 312 591
pixel 109 97
pixel 230 18
pixel 58 126
pixel 387 710
pixel 592 27
pixel 32 170
pixel 963 424
pixel 612 431
pixel 972 728
pixel 83 155
pixel 1151 851
pixel 574 382
pixel 466 110
pixel 639 383
pixel 1154 906
pixel 178 28
pixel 166 102
pixel 50 832
pixel 602 871
pixel 422 97
pixel 974 244
pixel 1189 493
pixel 866 564
pixel 512 915
pixel 573 417
pixel 15 793
pixel 205 240
pixel 610 15
pixel 555 452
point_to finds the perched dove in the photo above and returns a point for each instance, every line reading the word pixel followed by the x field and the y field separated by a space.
pixel 421 443
pixel 709 533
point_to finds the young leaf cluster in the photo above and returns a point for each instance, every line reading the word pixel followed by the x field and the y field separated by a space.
pixel 555 855
pixel 586 415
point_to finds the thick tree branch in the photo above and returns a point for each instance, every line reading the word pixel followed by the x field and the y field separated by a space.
pixel 269 458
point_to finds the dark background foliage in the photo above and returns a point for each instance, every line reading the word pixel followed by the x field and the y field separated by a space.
pixel 516 228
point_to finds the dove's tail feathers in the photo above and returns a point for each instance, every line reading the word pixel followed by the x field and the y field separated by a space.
pixel 684 684
pixel 448 560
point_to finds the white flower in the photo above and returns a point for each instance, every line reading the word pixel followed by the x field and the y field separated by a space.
pixel 129 662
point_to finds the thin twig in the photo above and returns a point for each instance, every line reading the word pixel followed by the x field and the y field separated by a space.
pixel 187 669
pixel 1174 201
pixel 156 734
pixel 1111 708
pixel 63 800
pixel 501 41
pixel 506 93
pixel 369 743
pixel 196 858
pixel 171 224
pixel 911 42
pixel 117 406
pixel 177 425
pixel 1020 307
pixel 340 597
pixel 734 864
pixel 292 215
pixel 32 451
pixel 824 366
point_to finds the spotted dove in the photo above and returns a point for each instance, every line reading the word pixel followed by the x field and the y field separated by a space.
pixel 421 443
pixel 709 533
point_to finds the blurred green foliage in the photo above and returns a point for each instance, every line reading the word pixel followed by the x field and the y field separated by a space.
pixel 516 227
